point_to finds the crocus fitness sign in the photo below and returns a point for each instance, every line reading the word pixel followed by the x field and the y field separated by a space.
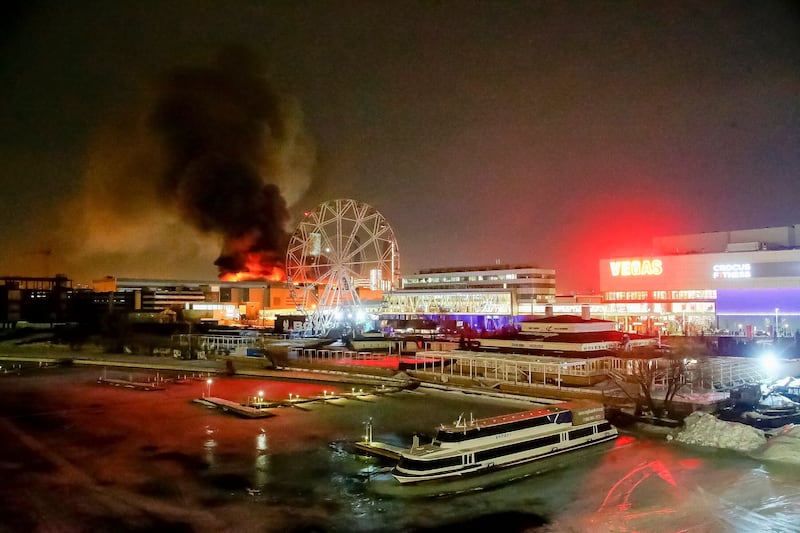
pixel 636 267
pixel 731 271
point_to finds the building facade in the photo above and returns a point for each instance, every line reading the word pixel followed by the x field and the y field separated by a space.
pixel 744 282
pixel 254 303
pixel 482 297
pixel 34 299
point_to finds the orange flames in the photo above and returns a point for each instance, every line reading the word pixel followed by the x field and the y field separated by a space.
pixel 256 268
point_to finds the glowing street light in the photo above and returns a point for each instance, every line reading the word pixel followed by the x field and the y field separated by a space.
pixel 260 397
pixel 208 382
pixel 776 321
pixel 769 363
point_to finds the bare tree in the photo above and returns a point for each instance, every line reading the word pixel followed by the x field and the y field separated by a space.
pixel 649 370
pixel 675 375
pixel 636 383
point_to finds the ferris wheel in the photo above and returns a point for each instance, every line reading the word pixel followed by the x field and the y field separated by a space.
pixel 338 248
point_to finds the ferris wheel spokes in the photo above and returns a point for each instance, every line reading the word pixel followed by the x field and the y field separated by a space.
pixel 340 246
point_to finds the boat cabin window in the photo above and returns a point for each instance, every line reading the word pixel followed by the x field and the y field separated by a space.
pixel 564 417
pixel 416 464
pixel 583 432
pixel 605 426
pixel 518 447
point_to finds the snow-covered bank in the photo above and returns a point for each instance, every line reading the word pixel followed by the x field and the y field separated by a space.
pixel 703 429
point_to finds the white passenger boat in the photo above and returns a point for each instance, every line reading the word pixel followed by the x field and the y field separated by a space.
pixel 473 446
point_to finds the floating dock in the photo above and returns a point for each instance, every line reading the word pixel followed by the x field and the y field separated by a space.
pixel 337 399
pixel 236 408
pixel 136 385
pixel 380 449
pixel 258 407
pixel 261 403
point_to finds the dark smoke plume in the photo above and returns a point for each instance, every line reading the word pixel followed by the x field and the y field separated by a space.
pixel 223 131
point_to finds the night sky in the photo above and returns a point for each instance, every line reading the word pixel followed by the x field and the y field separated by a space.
pixel 544 133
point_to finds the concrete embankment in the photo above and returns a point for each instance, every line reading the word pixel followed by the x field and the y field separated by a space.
pixel 247 367
pixel 354 375
pixel 317 371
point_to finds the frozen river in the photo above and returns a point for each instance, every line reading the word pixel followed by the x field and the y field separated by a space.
pixel 78 456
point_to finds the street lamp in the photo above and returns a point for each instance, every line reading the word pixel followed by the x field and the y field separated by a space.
pixel 776 321
pixel 260 397
pixel 208 382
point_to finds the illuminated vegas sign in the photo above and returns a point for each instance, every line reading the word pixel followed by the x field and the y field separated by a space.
pixel 731 271
pixel 637 267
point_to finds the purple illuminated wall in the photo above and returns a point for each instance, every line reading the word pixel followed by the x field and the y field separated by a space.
pixel 758 301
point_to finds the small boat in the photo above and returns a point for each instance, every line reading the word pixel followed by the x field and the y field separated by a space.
pixel 770 412
pixel 771 418
pixel 474 446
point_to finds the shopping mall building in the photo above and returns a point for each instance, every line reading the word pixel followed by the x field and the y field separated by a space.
pixel 743 282
pixel 480 297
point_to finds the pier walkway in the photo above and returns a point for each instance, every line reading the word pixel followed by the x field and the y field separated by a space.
pixel 380 449
pixel 129 384
pixel 236 408
pixel 259 407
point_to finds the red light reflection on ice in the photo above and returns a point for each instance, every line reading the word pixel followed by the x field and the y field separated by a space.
pixel 619 495
pixel 691 464
pixel 623 440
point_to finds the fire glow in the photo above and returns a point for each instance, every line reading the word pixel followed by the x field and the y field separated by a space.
pixel 256 268
pixel 226 158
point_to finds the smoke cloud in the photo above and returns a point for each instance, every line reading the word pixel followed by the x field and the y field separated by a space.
pixel 225 132
pixel 212 154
